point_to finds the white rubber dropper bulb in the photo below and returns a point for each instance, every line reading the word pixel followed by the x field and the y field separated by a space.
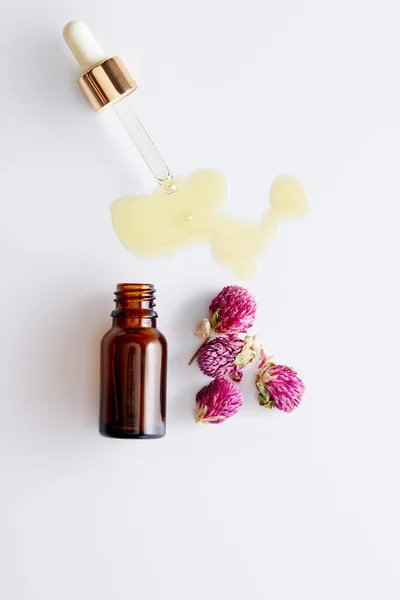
pixel 83 45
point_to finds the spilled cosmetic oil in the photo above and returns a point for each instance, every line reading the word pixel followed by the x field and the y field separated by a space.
pixel 158 224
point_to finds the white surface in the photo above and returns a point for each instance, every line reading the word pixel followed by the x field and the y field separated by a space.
pixel 267 505
pixel 83 45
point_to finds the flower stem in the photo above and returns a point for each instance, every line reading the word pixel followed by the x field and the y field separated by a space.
pixel 198 350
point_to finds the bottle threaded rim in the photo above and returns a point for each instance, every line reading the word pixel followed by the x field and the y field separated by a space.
pixel 135 297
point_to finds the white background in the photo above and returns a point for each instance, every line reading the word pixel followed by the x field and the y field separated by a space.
pixel 267 505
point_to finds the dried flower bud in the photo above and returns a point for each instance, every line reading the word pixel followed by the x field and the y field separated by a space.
pixel 280 387
pixel 204 329
pixel 217 401
pixel 233 310
pixel 217 358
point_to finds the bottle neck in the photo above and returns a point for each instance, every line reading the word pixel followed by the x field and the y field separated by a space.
pixel 134 306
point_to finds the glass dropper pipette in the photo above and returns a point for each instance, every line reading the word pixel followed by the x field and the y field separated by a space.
pixel 106 81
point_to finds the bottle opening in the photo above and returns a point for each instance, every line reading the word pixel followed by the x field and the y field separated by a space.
pixel 134 287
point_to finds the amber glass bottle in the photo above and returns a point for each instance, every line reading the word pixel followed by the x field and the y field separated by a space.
pixel 133 367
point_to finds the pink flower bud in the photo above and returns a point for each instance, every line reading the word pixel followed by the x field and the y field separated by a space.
pixel 279 387
pixel 233 310
pixel 217 401
pixel 217 358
